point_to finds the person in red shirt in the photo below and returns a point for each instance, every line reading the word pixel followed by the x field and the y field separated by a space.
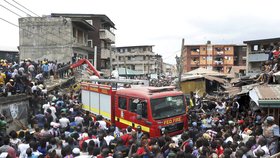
pixel 276 53
pixel 127 136
pixel 143 150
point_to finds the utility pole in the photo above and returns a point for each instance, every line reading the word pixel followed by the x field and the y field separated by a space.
pixel 95 57
pixel 179 62
pixel 117 56
pixel 125 67
pixel 111 68
pixel 148 66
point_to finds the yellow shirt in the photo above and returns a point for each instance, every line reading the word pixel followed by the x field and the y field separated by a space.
pixel 2 78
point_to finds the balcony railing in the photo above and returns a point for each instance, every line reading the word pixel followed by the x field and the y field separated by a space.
pixel 257 57
pixel 107 35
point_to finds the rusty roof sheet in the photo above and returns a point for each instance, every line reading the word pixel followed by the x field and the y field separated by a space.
pixel 268 92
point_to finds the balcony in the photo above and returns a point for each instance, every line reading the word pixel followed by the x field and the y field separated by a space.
pixel 257 57
pixel 107 36
pixel 105 54
pixel 195 62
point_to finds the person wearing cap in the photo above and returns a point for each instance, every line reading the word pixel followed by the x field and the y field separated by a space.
pixel 139 133
pixel 76 152
pixel 10 85
pixel 193 131
pixel 271 133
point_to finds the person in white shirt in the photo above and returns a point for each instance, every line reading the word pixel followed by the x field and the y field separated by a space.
pixel 53 109
pixel 79 119
pixel 262 145
pixel 46 106
pixel 102 123
pixel 23 147
pixel 64 121
pixel 34 88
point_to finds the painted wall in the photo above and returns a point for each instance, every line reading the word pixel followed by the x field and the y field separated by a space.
pixel 193 85
pixel 15 110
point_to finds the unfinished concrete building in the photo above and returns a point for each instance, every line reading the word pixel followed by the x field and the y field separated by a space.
pixel 54 38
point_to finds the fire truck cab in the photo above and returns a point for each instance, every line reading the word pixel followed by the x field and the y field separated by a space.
pixel 155 109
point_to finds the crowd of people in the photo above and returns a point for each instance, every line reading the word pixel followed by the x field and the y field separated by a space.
pixel 21 77
pixel 60 128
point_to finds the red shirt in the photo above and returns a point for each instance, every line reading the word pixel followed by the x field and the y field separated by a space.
pixel 141 151
pixel 276 54
pixel 126 138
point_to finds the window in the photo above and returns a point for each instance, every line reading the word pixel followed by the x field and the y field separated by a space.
pixel 227 48
pixel 167 107
pixel 255 47
pixel 128 58
pixel 90 44
pixel 195 50
pixel 122 103
pixel 132 105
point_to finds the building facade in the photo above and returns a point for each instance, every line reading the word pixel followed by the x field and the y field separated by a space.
pixel 54 38
pixel 138 58
pixel 169 70
pixel 219 58
pixel 258 53
pixel 102 37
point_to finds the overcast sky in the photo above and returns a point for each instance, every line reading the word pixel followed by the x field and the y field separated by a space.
pixel 162 23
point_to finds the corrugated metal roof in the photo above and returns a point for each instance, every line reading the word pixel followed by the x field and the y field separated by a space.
pixel 193 77
pixel 203 71
pixel 217 79
pixel 268 92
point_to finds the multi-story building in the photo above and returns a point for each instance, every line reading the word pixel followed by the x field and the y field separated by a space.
pixel 169 70
pixel 54 38
pixel 102 37
pixel 216 57
pixel 138 58
pixel 258 52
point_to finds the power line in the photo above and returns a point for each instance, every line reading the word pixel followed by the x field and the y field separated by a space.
pixel 172 54
pixel 10 10
pixel 26 8
pixel 30 21
pixel 26 30
pixel 16 7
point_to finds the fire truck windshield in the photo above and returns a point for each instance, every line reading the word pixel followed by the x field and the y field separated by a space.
pixel 167 107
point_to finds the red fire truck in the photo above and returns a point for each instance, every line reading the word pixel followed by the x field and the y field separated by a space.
pixel 155 109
